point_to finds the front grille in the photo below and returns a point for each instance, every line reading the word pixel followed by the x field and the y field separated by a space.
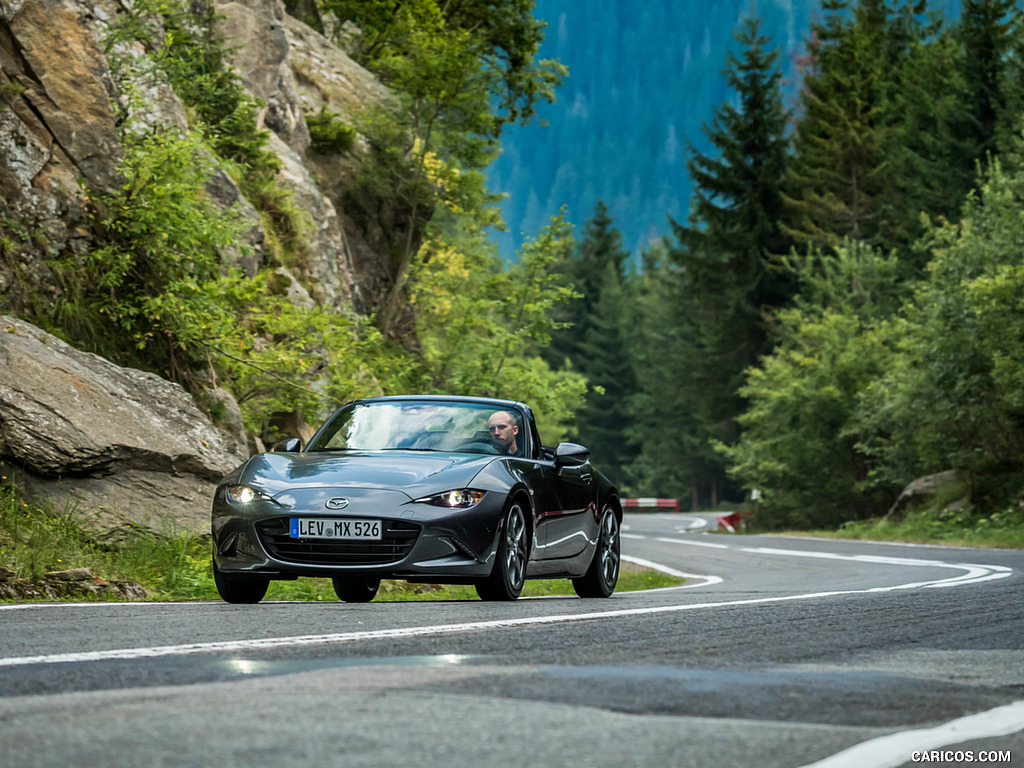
pixel 395 543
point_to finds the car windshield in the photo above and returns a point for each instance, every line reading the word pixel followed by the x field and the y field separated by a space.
pixel 412 425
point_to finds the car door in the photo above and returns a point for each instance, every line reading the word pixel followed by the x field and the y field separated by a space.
pixel 566 525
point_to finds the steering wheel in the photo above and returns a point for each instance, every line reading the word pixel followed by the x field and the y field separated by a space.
pixel 476 445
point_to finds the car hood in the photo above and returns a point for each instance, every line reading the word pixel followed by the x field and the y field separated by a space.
pixel 413 473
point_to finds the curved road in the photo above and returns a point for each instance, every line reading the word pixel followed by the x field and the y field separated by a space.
pixel 779 651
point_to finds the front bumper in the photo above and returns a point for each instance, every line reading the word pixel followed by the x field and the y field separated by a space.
pixel 419 541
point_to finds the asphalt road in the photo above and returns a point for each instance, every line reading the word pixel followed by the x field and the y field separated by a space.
pixel 779 651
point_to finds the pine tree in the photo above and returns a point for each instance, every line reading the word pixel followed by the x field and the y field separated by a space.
pixel 989 31
pixel 584 271
pixel 729 252
pixel 839 173
pixel 593 339
pixel 606 361
pixel 673 457
pixel 896 113
pixel 926 155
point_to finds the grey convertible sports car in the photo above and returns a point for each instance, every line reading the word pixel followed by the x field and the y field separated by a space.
pixel 442 490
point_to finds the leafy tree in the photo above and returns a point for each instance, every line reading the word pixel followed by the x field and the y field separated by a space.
pixel 194 62
pixel 482 325
pixel 461 70
pixel 279 357
pixel 160 242
pixel 955 400
pixel 879 380
pixel 501 38
pixel 801 445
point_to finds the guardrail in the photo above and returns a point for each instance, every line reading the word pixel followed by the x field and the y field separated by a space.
pixel 650 503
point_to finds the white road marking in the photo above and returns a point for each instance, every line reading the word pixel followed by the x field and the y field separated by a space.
pixel 693 523
pixel 898 748
pixel 97 603
pixel 692 543
pixel 974 574
pixel 705 580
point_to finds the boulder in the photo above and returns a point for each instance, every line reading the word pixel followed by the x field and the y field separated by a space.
pixel 118 445
pixel 921 491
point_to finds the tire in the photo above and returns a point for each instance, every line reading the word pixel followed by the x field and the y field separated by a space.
pixel 239 589
pixel 603 573
pixel 509 572
pixel 355 589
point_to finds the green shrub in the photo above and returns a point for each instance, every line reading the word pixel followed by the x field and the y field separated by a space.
pixel 329 134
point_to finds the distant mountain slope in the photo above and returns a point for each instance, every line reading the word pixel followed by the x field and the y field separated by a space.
pixel 645 77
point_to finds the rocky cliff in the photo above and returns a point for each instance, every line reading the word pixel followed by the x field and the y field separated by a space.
pixel 74 428
pixel 58 130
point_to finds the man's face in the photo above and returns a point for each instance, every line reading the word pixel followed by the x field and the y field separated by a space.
pixel 503 428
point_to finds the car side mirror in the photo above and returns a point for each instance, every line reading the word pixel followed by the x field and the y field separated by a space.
pixel 571 455
pixel 288 445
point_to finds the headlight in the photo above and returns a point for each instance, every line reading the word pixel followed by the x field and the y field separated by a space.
pixel 243 494
pixel 459 499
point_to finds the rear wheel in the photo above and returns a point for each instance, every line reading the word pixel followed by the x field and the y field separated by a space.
pixel 509 572
pixel 355 589
pixel 239 589
pixel 603 573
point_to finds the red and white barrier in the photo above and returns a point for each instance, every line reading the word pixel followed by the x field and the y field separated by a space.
pixel 729 523
pixel 648 502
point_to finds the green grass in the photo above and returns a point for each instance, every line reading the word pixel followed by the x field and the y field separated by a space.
pixel 631 579
pixel 954 527
pixel 35 540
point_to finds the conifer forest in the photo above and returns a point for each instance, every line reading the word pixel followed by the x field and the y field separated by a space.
pixel 839 312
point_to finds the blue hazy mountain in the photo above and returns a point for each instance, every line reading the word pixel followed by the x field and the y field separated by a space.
pixel 645 77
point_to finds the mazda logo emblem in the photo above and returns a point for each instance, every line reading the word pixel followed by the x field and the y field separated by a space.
pixel 336 503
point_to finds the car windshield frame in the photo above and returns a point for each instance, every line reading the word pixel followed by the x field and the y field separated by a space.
pixel 449 426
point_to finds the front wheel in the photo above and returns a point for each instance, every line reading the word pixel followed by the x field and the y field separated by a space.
pixel 509 572
pixel 239 589
pixel 355 589
pixel 603 573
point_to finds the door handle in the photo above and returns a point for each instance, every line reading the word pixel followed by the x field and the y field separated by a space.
pixel 586 477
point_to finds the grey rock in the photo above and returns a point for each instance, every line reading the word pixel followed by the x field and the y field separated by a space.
pixel 920 491
pixel 19 589
pixel 72 574
pixel 119 445
pixel 258 48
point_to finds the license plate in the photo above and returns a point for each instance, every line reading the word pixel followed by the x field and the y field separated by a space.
pixel 326 528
